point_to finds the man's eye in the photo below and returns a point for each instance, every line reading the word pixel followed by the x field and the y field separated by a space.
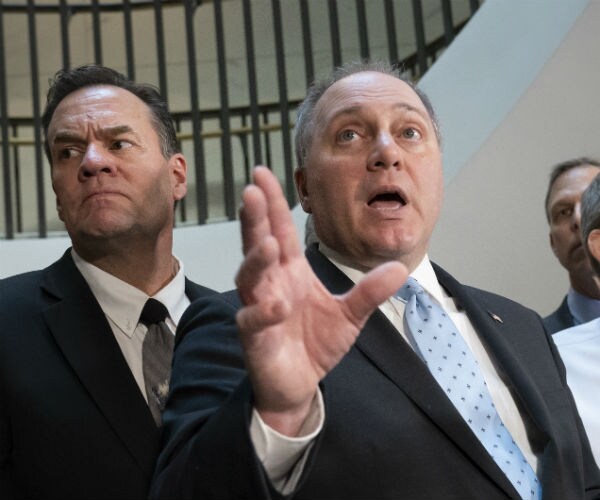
pixel 411 133
pixel 348 135
pixel 67 153
pixel 563 213
pixel 566 212
pixel 121 144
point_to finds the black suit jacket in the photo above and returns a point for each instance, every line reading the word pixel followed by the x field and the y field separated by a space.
pixel 73 422
pixel 390 431
pixel 561 319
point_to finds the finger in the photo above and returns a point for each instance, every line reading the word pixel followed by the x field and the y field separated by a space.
pixel 280 216
pixel 254 219
pixel 375 288
pixel 255 318
pixel 255 265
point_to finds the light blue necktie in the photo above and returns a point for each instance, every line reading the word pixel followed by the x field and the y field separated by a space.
pixel 455 369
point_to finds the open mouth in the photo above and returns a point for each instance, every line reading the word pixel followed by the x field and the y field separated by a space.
pixel 387 200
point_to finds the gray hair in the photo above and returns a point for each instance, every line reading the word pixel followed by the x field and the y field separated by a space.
pixel 305 114
pixel 590 217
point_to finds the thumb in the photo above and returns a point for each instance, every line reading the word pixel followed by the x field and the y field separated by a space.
pixel 375 288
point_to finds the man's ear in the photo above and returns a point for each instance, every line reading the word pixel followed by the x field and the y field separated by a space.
pixel 593 244
pixel 302 189
pixel 552 244
pixel 59 210
pixel 178 170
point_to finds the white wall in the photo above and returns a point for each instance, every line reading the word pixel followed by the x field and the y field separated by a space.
pixel 493 232
pixel 515 94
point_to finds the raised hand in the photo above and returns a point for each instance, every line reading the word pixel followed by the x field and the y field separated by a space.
pixel 292 329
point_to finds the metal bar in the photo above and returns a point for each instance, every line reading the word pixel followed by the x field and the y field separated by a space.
pixel 448 22
pixel 211 134
pixel 160 49
pixel 268 155
pixel 290 188
pixel 8 208
pixel 420 36
pixel 334 31
pixel 244 145
pixel 309 65
pixel 17 168
pixel 96 32
pixel 85 7
pixel 201 191
pixel 390 23
pixel 363 34
pixel 64 33
pixel 37 123
pixel 252 85
pixel 128 30
pixel 224 116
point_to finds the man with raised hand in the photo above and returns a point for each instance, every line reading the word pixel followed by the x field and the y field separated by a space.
pixel 332 375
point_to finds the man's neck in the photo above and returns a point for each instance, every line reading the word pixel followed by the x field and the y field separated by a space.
pixel 149 269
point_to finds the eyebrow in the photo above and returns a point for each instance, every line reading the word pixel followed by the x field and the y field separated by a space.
pixel 66 136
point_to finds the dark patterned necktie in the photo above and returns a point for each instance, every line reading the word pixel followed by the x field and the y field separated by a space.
pixel 157 354
pixel 456 370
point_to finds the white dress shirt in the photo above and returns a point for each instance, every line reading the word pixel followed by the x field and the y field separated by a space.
pixel 270 444
pixel 122 304
pixel 579 347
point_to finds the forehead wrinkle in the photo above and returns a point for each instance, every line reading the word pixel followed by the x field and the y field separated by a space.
pixel 73 136
pixel 357 109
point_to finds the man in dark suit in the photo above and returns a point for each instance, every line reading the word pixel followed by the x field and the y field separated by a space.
pixel 319 383
pixel 74 417
pixel 568 181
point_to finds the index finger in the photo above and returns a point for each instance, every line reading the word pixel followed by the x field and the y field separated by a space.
pixel 254 221
pixel 280 217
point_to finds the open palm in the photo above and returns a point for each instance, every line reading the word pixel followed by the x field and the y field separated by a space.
pixel 293 330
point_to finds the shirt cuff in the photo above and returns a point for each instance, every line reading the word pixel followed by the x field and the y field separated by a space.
pixel 284 457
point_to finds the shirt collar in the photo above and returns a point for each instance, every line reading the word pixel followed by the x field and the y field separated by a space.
pixel 423 273
pixel 123 303
pixel 582 307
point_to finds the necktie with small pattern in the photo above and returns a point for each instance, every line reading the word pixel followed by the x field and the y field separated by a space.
pixel 157 354
pixel 456 370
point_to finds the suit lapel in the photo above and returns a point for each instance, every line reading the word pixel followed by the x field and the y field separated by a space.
pixel 505 343
pixel 194 291
pixel 385 348
pixel 82 332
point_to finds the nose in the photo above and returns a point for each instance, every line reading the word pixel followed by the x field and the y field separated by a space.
pixel 95 161
pixel 386 153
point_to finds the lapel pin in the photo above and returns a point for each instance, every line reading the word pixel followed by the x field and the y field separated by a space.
pixel 495 317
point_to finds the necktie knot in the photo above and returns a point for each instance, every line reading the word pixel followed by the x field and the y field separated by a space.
pixel 153 312
pixel 410 288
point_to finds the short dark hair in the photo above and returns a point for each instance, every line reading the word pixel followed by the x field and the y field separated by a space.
pixel 563 167
pixel 67 81
pixel 590 217
pixel 305 114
